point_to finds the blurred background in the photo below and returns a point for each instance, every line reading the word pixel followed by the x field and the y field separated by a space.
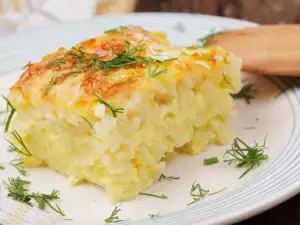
pixel 20 14
pixel 260 11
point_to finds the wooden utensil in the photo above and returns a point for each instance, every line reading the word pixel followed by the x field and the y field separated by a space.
pixel 269 49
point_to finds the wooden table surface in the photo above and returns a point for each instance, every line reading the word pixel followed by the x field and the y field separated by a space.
pixel 260 11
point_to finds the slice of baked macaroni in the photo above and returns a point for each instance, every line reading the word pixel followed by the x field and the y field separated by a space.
pixel 113 108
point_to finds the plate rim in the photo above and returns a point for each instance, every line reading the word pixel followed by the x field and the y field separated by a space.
pixel 238 215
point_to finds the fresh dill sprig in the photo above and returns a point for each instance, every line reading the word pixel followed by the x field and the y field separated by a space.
pixel 118 29
pixel 89 123
pixel 154 215
pixel 114 217
pixel 248 93
pixel 18 164
pixel 113 110
pixel 162 196
pixel 156 71
pixel 245 155
pixel 13 148
pixel 50 84
pixel 165 177
pixel 17 191
pixel 9 107
pixel 197 192
pixel 2 167
pixel 209 36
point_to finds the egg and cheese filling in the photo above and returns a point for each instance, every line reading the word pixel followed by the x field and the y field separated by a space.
pixel 113 108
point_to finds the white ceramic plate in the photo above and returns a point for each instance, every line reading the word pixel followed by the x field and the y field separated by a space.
pixel 278 117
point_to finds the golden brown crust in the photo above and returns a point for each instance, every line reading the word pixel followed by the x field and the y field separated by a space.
pixel 104 47
pixel 271 50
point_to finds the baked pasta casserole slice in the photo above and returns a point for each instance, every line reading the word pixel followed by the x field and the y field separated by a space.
pixel 112 109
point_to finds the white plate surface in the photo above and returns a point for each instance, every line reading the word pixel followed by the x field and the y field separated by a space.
pixel 278 117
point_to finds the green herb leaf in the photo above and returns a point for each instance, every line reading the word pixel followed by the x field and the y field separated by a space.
pixel 197 192
pixel 246 156
pixel 192 47
pixel 89 123
pixel 164 177
pixel 2 167
pixel 114 218
pixel 217 192
pixel 156 71
pixel 153 195
pixel 18 164
pixel 17 191
pixel 113 110
pixel 41 204
pixel 154 215
pixel 73 73
pixel 13 148
pixel 9 107
pixel 227 81
pixel 248 93
pixel 118 29
pixel 209 36
pixel 50 84
pixel 210 161
pixel 86 61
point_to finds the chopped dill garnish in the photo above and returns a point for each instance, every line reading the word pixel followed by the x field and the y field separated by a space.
pixel 156 71
pixel 57 62
pixel 89 123
pixel 165 177
pixel 210 161
pixel 125 82
pixel 113 110
pixel 226 80
pixel 153 195
pixel 118 29
pixel 2 167
pixel 125 58
pixel 198 193
pixel 50 84
pixel 17 191
pixel 192 47
pixel 13 148
pixel 245 155
pixel 91 62
pixel 18 164
pixel 9 107
pixel 209 36
pixel 154 215
pixel 217 192
pixel 248 93
pixel 73 73
pixel 114 218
